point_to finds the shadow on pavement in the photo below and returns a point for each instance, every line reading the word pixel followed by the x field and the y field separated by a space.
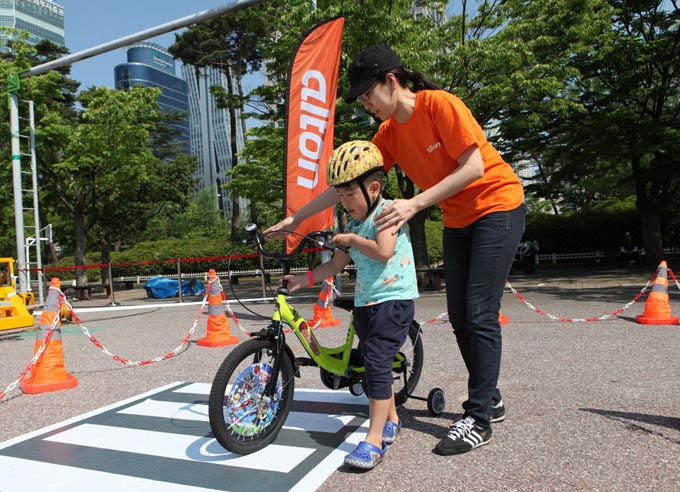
pixel 630 419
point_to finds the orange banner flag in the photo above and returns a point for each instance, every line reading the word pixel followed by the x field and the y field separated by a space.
pixel 312 91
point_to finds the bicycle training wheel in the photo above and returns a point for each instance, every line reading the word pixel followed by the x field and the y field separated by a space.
pixel 407 374
pixel 242 418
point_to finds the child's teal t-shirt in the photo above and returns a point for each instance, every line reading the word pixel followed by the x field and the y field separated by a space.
pixel 378 281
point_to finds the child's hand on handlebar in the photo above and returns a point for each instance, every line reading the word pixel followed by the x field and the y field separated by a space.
pixel 343 239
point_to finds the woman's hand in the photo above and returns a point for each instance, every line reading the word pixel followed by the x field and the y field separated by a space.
pixel 281 229
pixel 395 214
pixel 294 282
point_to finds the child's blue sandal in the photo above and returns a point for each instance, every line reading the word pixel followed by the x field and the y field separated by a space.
pixel 365 455
pixel 390 431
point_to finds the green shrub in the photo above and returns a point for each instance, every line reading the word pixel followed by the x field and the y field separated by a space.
pixel 600 228
pixel 433 235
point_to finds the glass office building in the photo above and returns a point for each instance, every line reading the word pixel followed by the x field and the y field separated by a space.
pixel 42 19
pixel 151 65
pixel 211 135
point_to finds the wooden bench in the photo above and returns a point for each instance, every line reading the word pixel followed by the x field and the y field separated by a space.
pixel 118 284
pixel 84 292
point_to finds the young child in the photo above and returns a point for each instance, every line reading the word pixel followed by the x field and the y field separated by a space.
pixel 384 292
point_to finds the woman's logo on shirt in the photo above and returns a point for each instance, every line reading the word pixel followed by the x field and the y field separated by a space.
pixel 433 147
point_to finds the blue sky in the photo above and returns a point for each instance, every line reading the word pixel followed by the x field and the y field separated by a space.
pixel 89 23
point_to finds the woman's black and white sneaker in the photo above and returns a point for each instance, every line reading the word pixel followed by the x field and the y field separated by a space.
pixel 464 435
pixel 497 412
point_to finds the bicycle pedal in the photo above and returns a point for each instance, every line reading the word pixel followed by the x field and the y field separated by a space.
pixel 304 361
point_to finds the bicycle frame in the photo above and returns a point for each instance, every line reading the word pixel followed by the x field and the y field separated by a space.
pixel 323 357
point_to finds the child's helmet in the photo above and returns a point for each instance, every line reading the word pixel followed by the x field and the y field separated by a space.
pixel 352 160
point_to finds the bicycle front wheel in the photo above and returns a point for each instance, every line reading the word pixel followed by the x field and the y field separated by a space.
pixel 243 418
pixel 407 373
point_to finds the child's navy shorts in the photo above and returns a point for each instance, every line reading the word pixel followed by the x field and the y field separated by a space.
pixel 382 329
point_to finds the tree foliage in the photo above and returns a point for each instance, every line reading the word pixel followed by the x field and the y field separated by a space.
pixel 583 93
pixel 610 127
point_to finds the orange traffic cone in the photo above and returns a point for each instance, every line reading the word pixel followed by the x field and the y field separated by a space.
pixel 503 319
pixel 218 325
pixel 322 309
pixel 657 308
pixel 49 372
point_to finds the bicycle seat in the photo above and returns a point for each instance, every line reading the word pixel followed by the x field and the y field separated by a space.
pixel 346 303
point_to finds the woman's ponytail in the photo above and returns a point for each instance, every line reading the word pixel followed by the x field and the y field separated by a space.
pixel 417 80
pixel 420 82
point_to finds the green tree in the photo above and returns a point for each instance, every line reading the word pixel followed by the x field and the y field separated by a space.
pixel 52 95
pixel 596 107
pixel 633 98
pixel 105 160
pixel 229 43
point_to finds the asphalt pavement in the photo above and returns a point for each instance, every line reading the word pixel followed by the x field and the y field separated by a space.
pixel 590 405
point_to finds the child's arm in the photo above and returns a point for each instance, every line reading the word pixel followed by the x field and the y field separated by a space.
pixel 381 249
pixel 335 265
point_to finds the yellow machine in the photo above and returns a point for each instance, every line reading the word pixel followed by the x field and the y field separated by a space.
pixel 13 307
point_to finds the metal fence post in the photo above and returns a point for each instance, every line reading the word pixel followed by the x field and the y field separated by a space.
pixel 113 299
pixel 179 279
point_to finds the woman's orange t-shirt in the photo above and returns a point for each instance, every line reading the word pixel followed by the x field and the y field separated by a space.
pixel 427 146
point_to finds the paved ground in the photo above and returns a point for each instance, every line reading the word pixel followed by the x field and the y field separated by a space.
pixel 591 406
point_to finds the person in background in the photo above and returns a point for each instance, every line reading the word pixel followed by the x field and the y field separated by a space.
pixel 439 145
pixel 629 252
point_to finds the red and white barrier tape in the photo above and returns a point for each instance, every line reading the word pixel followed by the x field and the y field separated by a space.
pixel 670 272
pixel 580 320
pixel 127 362
pixel 440 318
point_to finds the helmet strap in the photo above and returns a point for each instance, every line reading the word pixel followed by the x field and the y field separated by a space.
pixel 371 204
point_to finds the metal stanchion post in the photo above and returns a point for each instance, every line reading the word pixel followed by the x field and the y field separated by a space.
pixel 113 299
pixel 264 288
pixel 179 279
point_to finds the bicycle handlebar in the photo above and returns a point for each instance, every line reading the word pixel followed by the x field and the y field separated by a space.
pixel 317 238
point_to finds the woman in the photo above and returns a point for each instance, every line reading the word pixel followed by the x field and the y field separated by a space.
pixel 441 147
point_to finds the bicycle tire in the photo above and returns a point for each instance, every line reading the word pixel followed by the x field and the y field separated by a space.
pixel 241 421
pixel 414 354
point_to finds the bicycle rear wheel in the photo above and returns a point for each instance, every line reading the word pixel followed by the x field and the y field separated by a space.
pixel 407 375
pixel 242 418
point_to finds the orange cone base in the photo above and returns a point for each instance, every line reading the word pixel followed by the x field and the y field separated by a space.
pixel 325 323
pixel 648 320
pixel 325 318
pixel 220 342
pixel 68 382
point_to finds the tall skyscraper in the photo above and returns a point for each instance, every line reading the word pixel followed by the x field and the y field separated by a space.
pixel 150 65
pixel 211 133
pixel 42 19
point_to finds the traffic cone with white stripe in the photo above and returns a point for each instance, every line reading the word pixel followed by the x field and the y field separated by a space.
pixel 322 308
pixel 657 308
pixel 218 325
pixel 49 372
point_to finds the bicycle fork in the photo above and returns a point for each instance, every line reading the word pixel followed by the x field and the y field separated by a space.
pixel 275 332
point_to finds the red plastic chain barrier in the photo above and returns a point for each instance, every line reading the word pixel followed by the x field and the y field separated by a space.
pixel 670 272
pixel 146 362
pixel 582 320
pixel 157 262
